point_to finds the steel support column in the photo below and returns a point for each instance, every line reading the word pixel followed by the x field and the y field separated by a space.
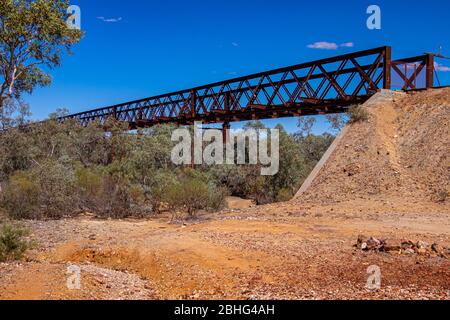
pixel 387 69
pixel 430 71
pixel 226 127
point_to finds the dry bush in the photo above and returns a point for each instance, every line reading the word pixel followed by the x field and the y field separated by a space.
pixel 108 196
pixel 20 196
pixel 44 192
pixel 441 195
pixel 13 244
pixel 216 198
pixel 194 194
pixel 358 114
pixel 285 195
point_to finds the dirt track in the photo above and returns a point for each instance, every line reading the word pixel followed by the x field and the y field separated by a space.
pixel 381 182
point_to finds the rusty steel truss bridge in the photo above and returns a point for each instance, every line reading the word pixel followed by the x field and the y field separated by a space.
pixel 324 86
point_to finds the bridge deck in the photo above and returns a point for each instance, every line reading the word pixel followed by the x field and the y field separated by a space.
pixel 324 86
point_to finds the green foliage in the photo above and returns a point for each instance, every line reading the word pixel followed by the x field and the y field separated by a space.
pixel 46 191
pixel 156 186
pixel 15 153
pixel 284 195
pixel 20 197
pixel 358 114
pixel 54 170
pixel 33 37
pixel 193 194
pixel 306 124
pixel 298 155
pixel 216 197
pixel 337 121
pixel 108 195
pixel 12 243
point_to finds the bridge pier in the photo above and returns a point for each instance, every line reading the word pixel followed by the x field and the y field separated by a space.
pixel 226 132
pixel 226 127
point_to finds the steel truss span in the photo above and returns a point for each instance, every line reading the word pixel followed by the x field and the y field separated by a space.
pixel 320 87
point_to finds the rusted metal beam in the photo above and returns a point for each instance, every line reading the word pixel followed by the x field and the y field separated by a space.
pixel 322 86
pixel 430 70
pixel 387 67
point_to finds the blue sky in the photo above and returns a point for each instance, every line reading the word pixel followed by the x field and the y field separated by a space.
pixel 135 49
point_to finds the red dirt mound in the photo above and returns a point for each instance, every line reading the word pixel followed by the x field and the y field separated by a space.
pixel 402 151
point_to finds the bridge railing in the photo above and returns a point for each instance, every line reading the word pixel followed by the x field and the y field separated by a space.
pixel 413 73
pixel 324 86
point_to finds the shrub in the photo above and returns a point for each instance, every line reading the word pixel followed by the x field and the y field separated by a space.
pixel 216 198
pixel 191 194
pixel 46 191
pixel 441 195
pixel 284 195
pixel 57 190
pixel 109 195
pixel 358 114
pixel 55 170
pixel 15 152
pixel 12 242
pixel 194 194
pixel 111 199
pixel 114 200
pixel 20 198
pixel 241 181
pixel 89 184
pixel 156 187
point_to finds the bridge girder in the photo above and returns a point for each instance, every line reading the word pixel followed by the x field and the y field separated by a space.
pixel 324 86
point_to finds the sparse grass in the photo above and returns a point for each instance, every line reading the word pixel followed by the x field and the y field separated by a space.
pixel 442 195
pixel 284 195
pixel 13 244
pixel 358 114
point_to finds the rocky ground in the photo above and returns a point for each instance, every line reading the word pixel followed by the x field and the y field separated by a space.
pixel 248 254
pixel 380 201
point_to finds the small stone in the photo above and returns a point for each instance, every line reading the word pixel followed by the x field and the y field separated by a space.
pixel 422 251
pixel 390 246
pixel 409 251
pixel 361 240
pixel 436 248
pixel 421 245
pixel 407 245
pixel 373 244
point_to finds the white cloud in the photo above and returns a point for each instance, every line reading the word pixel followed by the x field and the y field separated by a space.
pixel 323 45
pixel 412 66
pixel 347 45
pixel 441 67
pixel 110 20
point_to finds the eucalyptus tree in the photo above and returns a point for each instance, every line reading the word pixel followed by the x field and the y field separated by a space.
pixel 34 36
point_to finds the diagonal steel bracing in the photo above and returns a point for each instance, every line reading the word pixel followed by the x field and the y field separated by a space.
pixel 324 86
